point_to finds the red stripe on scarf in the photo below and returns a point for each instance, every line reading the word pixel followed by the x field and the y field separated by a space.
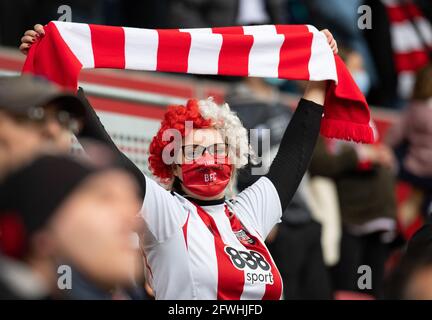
pixel 108 52
pixel 294 62
pixel 173 51
pixel 234 53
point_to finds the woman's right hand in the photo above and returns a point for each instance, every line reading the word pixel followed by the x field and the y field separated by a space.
pixel 30 37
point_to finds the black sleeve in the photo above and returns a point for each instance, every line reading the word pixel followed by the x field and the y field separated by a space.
pixel 93 129
pixel 295 150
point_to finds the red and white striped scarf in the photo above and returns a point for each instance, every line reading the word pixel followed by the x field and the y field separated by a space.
pixel 297 52
pixel 411 36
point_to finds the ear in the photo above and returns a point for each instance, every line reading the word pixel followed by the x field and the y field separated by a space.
pixel 3 117
pixel 43 244
pixel 177 171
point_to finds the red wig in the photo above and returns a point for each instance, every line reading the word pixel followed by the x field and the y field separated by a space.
pixel 174 118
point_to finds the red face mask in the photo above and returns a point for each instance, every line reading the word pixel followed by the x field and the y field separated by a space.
pixel 206 178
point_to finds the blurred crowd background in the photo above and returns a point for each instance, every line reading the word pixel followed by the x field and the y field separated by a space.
pixel 358 205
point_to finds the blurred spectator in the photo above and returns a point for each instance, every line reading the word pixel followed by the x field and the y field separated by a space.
pixel 341 17
pixel 412 279
pixel 297 250
pixel 35 116
pixel 400 42
pixel 59 211
pixel 222 13
pixel 366 190
pixel 354 62
pixel 295 244
pixel 411 136
pixel 414 128
pixel 425 7
pixel 419 280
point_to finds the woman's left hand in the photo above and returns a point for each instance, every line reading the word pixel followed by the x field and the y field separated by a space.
pixel 330 40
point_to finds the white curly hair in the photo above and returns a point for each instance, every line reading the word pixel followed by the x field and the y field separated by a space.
pixel 229 125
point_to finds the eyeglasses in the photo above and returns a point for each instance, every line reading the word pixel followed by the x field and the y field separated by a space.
pixel 41 115
pixel 194 151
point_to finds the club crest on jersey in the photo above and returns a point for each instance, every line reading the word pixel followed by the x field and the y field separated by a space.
pixel 243 237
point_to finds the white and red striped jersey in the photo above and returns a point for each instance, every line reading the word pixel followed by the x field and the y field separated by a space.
pixel 211 251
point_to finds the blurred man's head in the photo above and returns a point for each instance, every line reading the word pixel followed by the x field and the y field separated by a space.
pixel 93 227
pixel 423 84
pixel 59 211
pixel 418 265
pixel 355 64
pixel 419 286
pixel 35 116
pixel 412 278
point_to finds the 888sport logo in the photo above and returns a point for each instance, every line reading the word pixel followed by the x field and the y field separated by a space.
pixel 257 268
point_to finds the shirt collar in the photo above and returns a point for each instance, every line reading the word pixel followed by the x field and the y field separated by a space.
pixel 21 280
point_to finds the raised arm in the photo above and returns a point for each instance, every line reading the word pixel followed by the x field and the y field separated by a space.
pixel 297 145
pixel 93 129
pixel 164 214
pixel 92 126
